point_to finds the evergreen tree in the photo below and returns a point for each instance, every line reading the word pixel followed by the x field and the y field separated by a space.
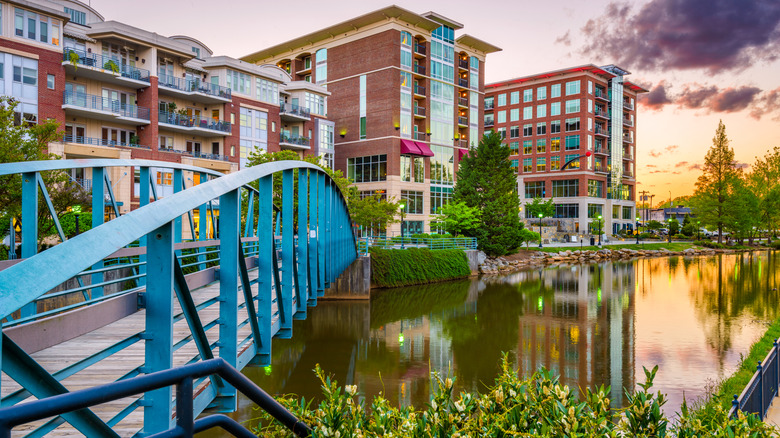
pixel 487 181
pixel 711 201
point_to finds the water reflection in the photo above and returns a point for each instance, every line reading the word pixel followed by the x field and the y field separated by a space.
pixel 592 324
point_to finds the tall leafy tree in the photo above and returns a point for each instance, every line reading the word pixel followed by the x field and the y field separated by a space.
pixel 458 218
pixel 764 181
pixel 539 206
pixel 487 181
pixel 711 201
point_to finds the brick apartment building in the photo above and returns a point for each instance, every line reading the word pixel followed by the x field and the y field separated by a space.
pixel 550 118
pixel 406 101
pixel 123 92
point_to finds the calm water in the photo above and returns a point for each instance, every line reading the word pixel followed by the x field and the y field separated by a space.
pixel 592 324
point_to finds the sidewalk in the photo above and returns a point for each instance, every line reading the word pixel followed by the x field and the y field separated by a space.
pixel 773 414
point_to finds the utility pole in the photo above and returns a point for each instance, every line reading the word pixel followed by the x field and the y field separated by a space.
pixel 644 194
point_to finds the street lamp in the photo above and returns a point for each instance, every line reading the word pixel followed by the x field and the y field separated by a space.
pixel 637 230
pixel 599 230
pixel 698 230
pixel 540 230
pixel 402 205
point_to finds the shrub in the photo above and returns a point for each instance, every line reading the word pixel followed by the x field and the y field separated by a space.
pixel 710 244
pixel 392 267
pixel 776 245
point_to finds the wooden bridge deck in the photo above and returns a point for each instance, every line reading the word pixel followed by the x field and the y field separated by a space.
pixel 116 366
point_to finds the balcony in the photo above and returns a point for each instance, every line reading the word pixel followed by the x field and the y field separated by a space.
pixel 627 105
pixel 601 94
pixel 102 108
pixel 463 64
pixel 461 143
pixel 104 69
pixel 628 173
pixel 419 90
pixel 294 113
pixel 419 112
pixel 628 122
pixel 627 138
pixel 419 50
pixel 601 169
pixel 599 130
pixel 419 69
pixel 193 89
pixel 420 136
pixel 99 142
pixel 600 150
pixel 463 102
pixel 463 121
pixel 293 142
pixel 601 113
pixel 463 82
pixel 489 123
pixel 191 125
pixel 489 106
pixel 196 154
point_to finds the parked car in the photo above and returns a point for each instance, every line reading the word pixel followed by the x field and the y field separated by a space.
pixel 704 232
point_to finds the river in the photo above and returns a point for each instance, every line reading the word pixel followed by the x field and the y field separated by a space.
pixel 593 324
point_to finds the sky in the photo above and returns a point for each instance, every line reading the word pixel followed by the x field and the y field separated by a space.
pixel 702 60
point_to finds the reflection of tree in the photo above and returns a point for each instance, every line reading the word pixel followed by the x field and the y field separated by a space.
pixel 732 286
pixel 414 301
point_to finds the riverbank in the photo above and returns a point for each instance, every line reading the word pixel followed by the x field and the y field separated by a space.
pixel 552 256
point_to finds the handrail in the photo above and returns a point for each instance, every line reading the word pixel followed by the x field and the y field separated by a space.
pixel 21 283
pixel 83 163
pixel 753 398
pixel 181 377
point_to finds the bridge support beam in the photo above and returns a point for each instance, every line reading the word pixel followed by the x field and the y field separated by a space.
pixel 288 234
pixel 229 249
pixel 159 326
pixel 312 240
pixel 302 249
pixel 98 217
pixel 265 288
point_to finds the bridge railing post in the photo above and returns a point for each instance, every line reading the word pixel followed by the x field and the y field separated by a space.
pixel 159 325
pixel 288 234
pixel 265 235
pixel 143 199
pixel 312 241
pixel 229 232
pixel 303 245
pixel 98 217
pixel 29 226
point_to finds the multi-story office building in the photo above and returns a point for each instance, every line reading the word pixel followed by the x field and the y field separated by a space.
pixel 406 100
pixel 123 92
pixel 586 114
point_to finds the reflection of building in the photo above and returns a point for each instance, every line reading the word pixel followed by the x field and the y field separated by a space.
pixel 581 325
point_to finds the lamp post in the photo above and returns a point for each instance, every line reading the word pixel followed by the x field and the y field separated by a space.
pixel 698 230
pixel 599 230
pixel 540 230
pixel 669 229
pixel 637 230
pixel 403 207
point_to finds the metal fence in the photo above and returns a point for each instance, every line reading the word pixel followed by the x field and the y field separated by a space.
pixel 762 387
pixel 396 242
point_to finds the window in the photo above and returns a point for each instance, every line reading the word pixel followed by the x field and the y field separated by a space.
pixel 514 164
pixel 615 212
pixel 528 113
pixel 527 147
pixel 489 120
pixel 541 93
pixel 528 129
pixel 541 145
pixel 196 51
pixel 567 211
pixel 514 98
pixel 555 144
pixel 414 201
pixel 253 131
pixel 406 39
pixel 541 128
pixel 590 87
pixel 164 178
pixel 572 106
pixel 22 85
pixel 362 107
pixel 527 165
pixel 501 100
pixel 501 117
pixel 77 17
pixel 555 163
pixel 595 210
pixel 267 91
pixel 321 69
pixel 514 132
pixel 590 105
pixel 595 188
pixel 555 109
pixel 50 82
pixel 502 131
pixel 36 27
pixel 534 189
pixel 573 124
pixel 489 103
pixel 575 164
pixel 541 164
pixel 565 188
pixel 572 87
pixel 238 82
pixel 555 127
pixel 528 95
pixel 514 114
pixel 572 142
pixel 555 90
pixel 541 111
pixel 627 213
pixel 367 169
pixel 315 103
pixel 440 196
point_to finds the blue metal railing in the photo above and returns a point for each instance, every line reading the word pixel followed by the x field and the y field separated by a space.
pixel 290 139
pixel 99 103
pixel 99 142
pixel 192 122
pixel 195 86
pixel 294 109
pixel 197 154
pixel 106 63
pixel 762 387
pixel 182 378
pixel 397 242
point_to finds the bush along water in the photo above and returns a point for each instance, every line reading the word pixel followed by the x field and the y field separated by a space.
pixel 393 268
pixel 538 406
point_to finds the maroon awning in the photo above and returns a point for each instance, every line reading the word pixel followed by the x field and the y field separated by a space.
pixel 425 150
pixel 462 153
pixel 410 147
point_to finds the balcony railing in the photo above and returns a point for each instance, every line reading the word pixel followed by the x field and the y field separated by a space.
pixel 419 49
pixel 461 142
pixel 463 101
pixel 293 109
pixel 192 122
pixel 99 103
pixel 420 136
pixel 601 94
pixel 601 150
pixel 463 63
pixel 196 154
pixel 627 138
pixel 419 111
pixel 106 63
pixel 488 123
pixel 463 121
pixel 292 139
pixel 419 89
pixel 419 69
pixel 599 130
pixel 601 113
pixel 463 82
pixel 99 142
pixel 628 122
pixel 195 86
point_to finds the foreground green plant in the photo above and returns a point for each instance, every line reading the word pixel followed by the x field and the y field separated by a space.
pixel 537 406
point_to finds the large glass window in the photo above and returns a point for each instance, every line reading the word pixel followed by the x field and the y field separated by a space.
pixel 362 99
pixel 555 109
pixel 239 82
pixel 541 164
pixel 555 90
pixel 412 169
pixel 541 145
pixel 555 144
pixel 572 106
pixel 541 128
pixel 501 100
pixel 514 148
pixel 514 132
pixel 572 87
pixel 528 95
pixel 514 98
pixel 567 211
pixel 527 165
pixel 534 189
pixel 528 129
pixel 414 201
pixel 19 79
pixel 555 127
pixel 595 188
pixel 321 69
pixel 575 164
pixel 555 163
pixel 442 167
pixel 36 27
pixel 573 124
pixel 541 111
pixel 367 169
pixel 514 114
pixel 565 188
pixel 315 103
pixel 267 91
pixel 541 93
pixel 501 117
pixel 572 142
pixel 595 210
pixel 253 126
pixel 527 147
pixel 440 196
pixel 528 113
pixel 627 213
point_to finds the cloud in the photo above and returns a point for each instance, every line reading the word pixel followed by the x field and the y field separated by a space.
pixel 681 164
pixel 564 39
pixel 650 166
pixel 671 148
pixel 654 154
pixel 739 165
pixel 767 103
pixel 713 35
pixel 711 98
pixel 694 167
pixel 657 98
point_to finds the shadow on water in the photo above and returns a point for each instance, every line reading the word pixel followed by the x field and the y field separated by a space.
pixel 592 324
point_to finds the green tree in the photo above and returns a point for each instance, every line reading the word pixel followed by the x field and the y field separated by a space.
pixel 540 206
pixel 674 226
pixel 458 218
pixel 711 201
pixel 19 142
pixel 487 181
pixel 529 236
pixel 654 225
pixel 596 224
pixel 764 181
pixel 744 216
